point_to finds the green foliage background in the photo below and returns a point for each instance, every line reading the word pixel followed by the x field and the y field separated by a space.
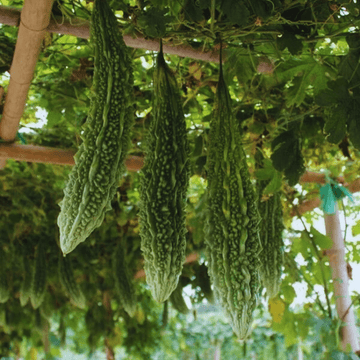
pixel 293 74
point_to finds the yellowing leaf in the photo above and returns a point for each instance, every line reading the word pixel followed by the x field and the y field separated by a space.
pixel 195 71
pixel 140 316
pixel 33 354
pixel 277 309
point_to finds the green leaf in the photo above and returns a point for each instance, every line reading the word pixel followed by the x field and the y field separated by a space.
pixel 313 76
pixel 299 246
pixel 356 228
pixel 328 199
pixel 204 4
pixel 296 168
pixel 274 185
pixel 154 22
pixel 289 293
pixel 193 12
pixel 335 125
pixel 336 92
pixel 266 172
pixel 354 131
pixel 239 62
pixel 321 240
pixel 290 41
pixel 287 156
pixel 53 118
pixel 235 11
pixel 306 239
pixel 349 67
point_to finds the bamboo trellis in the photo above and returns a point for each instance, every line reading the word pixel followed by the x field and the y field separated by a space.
pixel 33 21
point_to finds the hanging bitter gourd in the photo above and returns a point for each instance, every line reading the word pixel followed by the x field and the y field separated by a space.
pixel 164 183
pixel 4 285
pixel 99 162
pixel 271 228
pixel 232 230
pixel 68 282
pixel 123 282
pixel 25 289
pixel 38 283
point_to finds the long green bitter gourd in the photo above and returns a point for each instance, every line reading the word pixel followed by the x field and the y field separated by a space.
pixel 68 282
pixel 164 183
pixel 4 285
pixel 38 283
pixel 232 230
pixel 271 228
pixel 123 281
pixel 99 162
pixel 25 289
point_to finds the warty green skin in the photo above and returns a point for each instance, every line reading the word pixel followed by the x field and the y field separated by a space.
pixel 99 162
pixel 123 281
pixel 68 282
pixel 25 290
pixel 271 228
pixel 164 183
pixel 232 229
pixel 38 283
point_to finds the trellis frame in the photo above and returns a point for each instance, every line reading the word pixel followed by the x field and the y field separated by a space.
pixel 34 20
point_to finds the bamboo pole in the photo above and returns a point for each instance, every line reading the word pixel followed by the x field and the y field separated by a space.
pixel 80 28
pixel 2 161
pixel 34 20
pixel 42 154
pixel 340 280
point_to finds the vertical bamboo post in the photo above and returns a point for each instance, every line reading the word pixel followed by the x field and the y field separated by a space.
pixel 35 18
pixel 340 279
pixel 2 161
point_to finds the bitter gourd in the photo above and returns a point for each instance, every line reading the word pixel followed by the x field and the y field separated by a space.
pixel 123 281
pixel 25 289
pixel 99 162
pixel 164 183
pixel 232 230
pixel 38 283
pixel 177 300
pixel 67 280
pixel 271 228
pixel 4 286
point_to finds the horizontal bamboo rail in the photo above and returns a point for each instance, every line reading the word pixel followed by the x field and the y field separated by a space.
pixel 42 154
pixel 33 153
pixel 80 28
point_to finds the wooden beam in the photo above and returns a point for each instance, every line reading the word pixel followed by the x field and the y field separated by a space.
pixel 42 154
pixel 34 20
pixel 33 153
pixel 2 161
pixel 81 28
